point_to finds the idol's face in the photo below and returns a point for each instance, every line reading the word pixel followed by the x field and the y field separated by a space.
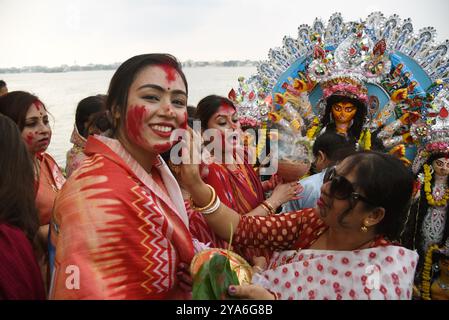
pixel 344 112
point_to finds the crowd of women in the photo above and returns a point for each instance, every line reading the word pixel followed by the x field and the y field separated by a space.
pixel 124 222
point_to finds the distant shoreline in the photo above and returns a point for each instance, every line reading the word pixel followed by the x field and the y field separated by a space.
pixel 114 66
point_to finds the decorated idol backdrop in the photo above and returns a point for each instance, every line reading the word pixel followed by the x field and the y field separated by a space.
pixel 387 74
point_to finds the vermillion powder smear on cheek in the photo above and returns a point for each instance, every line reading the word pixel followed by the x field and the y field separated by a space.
pixel 29 139
pixel 134 122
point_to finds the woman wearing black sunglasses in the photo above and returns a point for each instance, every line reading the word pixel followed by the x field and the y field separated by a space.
pixel 343 249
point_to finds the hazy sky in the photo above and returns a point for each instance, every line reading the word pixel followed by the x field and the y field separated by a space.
pixel 54 32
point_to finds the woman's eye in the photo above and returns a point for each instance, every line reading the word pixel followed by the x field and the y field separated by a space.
pixel 180 103
pixel 30 124
pixel 151 98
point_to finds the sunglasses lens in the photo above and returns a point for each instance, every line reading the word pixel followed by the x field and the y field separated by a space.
pixel 341 188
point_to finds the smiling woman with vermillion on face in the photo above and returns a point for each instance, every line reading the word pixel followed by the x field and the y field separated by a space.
pixel 157 102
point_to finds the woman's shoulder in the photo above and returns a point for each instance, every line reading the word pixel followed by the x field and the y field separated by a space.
pixel 13 243
pixel 9 232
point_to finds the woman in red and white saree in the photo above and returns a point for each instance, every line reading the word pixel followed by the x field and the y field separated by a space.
pixel 31 116
pixel 230 173
pixel 120 226
pixel 125 230
pixel 340 249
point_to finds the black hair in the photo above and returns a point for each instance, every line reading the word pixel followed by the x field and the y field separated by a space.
pixel 335 146
pixel 15 105
pixel 126 74
pixel 386 182
pixel 87 107
pixel 17 195
pixel 356 129
pixel 2 84
pixel 208 106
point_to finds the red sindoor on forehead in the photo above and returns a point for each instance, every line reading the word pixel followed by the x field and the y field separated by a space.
pixel 170 72
pixel 226 107
pixel 38 104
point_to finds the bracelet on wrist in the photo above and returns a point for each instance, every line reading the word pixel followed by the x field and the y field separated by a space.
pixel 211 202
pixel 269 206
pixel 212 206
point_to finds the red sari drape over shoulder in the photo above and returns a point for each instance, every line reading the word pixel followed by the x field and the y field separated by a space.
pixel 123 231
pixel 240 189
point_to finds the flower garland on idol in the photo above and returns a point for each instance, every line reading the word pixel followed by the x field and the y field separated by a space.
pixel 428 189
pixel 427 273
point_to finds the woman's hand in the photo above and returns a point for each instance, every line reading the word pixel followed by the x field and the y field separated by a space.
pixel 284 193
pixel 274 181
pixel 188 173
pixel 259 264
pixel 252 292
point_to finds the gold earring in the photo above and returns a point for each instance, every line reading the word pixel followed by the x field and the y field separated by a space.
pixel 364 228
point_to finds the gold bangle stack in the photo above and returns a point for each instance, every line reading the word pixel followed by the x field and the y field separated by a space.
pixel 212 206
pixel 268 207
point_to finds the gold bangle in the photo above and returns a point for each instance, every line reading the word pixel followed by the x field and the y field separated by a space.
pixel 266 208
pixel 211 202
pixel 269 206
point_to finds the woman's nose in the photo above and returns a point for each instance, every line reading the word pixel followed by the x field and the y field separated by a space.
pixel 168 109
pixel 43 128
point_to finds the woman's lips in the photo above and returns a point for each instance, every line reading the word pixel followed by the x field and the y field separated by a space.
pixel 44 141
pixel 320 203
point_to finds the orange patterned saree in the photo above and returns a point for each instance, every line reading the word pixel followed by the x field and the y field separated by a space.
pixel 50 182
pixel 119 232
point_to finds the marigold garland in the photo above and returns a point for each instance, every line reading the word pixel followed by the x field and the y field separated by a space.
pixel 428 190
pixel 426 274
pixel 365 140
pixel 311 133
